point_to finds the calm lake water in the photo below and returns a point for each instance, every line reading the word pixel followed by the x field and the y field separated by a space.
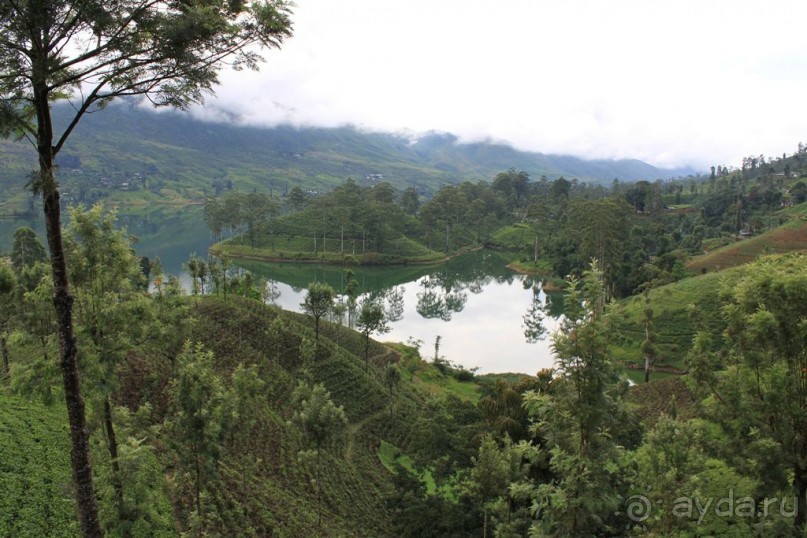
pixel 473 303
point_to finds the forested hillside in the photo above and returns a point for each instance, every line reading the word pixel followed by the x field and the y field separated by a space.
pixel 132 154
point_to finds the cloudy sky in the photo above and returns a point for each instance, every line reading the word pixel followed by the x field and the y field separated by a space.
pixel 673 83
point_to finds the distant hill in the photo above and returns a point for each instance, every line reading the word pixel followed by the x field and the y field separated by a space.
pixel 130 148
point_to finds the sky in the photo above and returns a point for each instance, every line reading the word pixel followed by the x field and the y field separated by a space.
pixel 673 83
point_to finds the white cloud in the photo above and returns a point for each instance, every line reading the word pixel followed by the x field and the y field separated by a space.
pixel 676 83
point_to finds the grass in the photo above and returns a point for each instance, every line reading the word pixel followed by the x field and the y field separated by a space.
pixel 514 236
pixel 674 320
pixel 300 249
pixel 428 379
pixel 391 456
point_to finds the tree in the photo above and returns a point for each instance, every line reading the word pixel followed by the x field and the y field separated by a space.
pixel 579 418
pixel 26 250
pixel 296 198
pixel 512 186
pixel 244 399
pixel 258 209
pixel 95 51
pixel 799 192
pixel 678 458
pixel 371 320
pixel 764 387
pixel 199 419
pixel 110 308
pixel 410 201
pixel 601 227
pixel 214 217
pixel 8 283
pixel 318 302
pixel 503 409
pixel 198 269
pixel 321 421
pixel 493 470
pixel 392 378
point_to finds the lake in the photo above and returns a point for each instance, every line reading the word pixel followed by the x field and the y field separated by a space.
pixel 473 303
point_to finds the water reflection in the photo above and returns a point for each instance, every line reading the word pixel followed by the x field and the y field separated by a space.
pixel 438 300
pixel 394 303
pixel 165 231
pixel 474 303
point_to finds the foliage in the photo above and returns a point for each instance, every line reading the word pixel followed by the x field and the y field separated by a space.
pixel 321 421
pixel 93 52
pixel 679 467
pixel 318 302
pixel 372 319
pixel 144 508
pixel 762 393
pixel 579 419
pixel 199 421
pixel 26 250
pixel 494 469
pixel 35 477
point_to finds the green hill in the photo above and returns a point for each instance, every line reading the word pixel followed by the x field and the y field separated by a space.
pixel 131 154
pixel 788 237
pixel 261 486
pixel 674 319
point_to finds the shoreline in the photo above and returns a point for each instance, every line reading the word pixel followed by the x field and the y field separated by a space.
pixel 284 259
pixel 546 285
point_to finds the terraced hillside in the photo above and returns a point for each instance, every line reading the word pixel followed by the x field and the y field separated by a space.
pixel 788 237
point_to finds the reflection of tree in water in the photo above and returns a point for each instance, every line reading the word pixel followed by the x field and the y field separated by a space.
pixel 534 329
pixel 444 291
pixel 272 292
pixel 394 303
pixel 551 307
pixel 440 299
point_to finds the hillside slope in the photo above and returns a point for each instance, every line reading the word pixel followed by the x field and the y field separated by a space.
pixel 169 152
pixel 263 485
pixel 788 237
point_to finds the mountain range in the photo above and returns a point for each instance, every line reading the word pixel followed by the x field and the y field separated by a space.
pixel 181 153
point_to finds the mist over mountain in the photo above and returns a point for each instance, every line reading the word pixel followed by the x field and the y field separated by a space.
pixel 173 147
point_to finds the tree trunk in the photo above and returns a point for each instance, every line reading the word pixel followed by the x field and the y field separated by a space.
pixel 535 251
pixel 198 488
pixel 319 500
pixel 63 303
pixel 6 364
pixel 112 445
pixel 647 355
pixel 800 485
pixel 485 523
